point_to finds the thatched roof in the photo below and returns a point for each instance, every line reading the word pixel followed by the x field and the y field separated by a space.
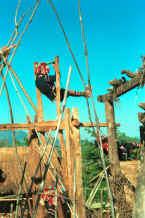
pixel 129 169
pixel 10 166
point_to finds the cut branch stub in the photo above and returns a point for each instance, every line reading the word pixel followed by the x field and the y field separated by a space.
pixel 141 117
pixel 123 88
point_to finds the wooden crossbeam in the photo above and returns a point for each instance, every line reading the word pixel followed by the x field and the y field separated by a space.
pixel 123 88
pixel 30 126
pixel 85 124
pixel 45 126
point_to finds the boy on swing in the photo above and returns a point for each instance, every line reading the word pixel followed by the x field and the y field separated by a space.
pixel 46 84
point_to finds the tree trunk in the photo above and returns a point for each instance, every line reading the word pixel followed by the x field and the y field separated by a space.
pixel 139 204
pixel 122 208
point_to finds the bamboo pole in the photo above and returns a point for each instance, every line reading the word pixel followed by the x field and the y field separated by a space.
pixel 80 204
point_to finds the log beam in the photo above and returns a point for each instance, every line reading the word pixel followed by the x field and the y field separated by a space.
pixel 112 138
pixel 47 125
pixel 123 88
pixel 76 123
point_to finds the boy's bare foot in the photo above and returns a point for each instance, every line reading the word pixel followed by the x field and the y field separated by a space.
pixel 87 93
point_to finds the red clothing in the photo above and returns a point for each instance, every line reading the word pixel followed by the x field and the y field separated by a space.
pixel 42 67
pixel 105 143
pixel 49 195
pixel 105 146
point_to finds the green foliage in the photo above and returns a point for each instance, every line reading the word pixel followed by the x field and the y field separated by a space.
pixel 122 137
pixel 6 143
pixel 25 143
pixel 92 164
pixel 133 151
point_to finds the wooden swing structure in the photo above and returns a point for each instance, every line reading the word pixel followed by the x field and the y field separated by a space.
pixel 29 163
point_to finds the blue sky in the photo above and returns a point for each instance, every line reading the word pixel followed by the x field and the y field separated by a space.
pixel 114 32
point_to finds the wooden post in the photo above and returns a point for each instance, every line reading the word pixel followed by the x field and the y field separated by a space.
pixel 139 201
pixel 69 154
pixel 112 138
pixel 117 187
pixel 57 85
pixel 58 106
pixel 39 101
pixel 80 203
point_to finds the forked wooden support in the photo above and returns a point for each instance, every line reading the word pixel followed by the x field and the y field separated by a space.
pixel 112 137
pixel 69 154
pixel 80 202
pixel 74 165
